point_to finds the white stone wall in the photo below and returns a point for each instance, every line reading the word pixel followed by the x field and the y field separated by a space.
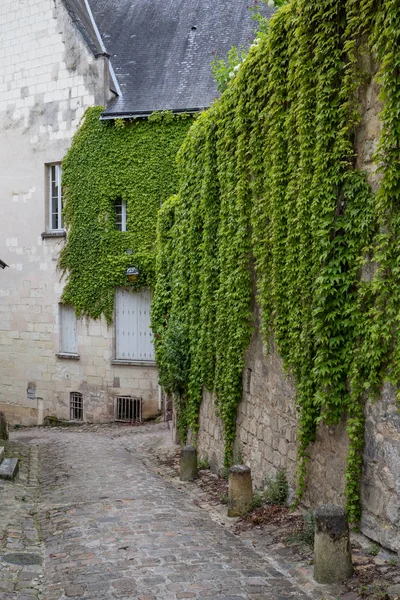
pixel 48 77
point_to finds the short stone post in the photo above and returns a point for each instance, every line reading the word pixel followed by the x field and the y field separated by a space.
pixel 3 427
pixel 188 463
pixel 332 555
pixel 240 490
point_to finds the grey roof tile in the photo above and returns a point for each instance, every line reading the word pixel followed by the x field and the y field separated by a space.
pixel 161 50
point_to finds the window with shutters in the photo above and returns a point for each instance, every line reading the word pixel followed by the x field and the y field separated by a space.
pixel 55 197
pixel 68 333
pixel 133 336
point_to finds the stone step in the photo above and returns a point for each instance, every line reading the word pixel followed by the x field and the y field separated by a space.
pixel 9 468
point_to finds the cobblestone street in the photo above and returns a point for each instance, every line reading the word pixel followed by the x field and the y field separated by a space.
pixel 98 524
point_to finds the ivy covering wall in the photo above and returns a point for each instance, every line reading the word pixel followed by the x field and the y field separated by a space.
pixel 269 186
pixel 132 161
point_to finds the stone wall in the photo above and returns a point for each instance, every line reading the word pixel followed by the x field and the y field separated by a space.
pixel 266 441
pixel 381 477
pixel 266 431
pixel 48 78
pixel 267 420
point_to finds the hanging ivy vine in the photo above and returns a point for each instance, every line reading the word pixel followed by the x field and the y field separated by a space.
pixel 131 161
pixel 269 186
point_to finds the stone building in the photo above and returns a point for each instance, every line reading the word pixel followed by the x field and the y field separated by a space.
pixel 57 58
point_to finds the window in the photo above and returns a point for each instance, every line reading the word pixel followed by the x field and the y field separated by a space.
pixel 76 406
pixel 247 381
pixel 120 211
pixel 128 409
pixel 55 197
pixel 134 338
pixel 68 334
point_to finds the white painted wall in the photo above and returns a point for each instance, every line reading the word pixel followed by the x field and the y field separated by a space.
pixel 48 77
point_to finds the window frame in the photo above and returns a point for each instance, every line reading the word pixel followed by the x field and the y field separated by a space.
pixel 76 407
pixel 123 225
pixel 64 310
pixel 58 175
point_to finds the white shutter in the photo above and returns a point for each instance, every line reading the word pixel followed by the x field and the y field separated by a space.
pixel 134 338
pixel 69 341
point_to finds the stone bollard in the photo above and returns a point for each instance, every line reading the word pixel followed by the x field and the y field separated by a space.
pixel 188 464
pixel 332 555
pixel 240 490
pixel 3 427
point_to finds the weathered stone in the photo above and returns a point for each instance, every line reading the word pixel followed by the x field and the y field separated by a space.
pixel 332 555
pixel 9 468
pixel 22 558
pixel 272 396
pixel 240 490
pixel 394 591
pixel 3 427
pixel 74 591
pixel 188 463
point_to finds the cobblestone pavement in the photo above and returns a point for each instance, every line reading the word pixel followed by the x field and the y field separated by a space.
pixel 104 526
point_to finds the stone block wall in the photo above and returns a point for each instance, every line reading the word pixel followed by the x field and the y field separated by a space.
pixel 381 477
pixel 210 442
pixel 266 431
pixel 266 441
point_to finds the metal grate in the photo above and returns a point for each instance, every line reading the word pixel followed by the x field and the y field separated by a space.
pixel 76 406
pixel 128 409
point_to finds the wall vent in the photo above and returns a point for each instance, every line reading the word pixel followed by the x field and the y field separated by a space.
pixel 128 409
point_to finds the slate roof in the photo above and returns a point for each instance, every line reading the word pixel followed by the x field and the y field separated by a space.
pixel 161 50
pixel 3 265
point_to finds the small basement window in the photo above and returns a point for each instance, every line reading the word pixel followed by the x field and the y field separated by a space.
pixel 128 409
pixel 76 406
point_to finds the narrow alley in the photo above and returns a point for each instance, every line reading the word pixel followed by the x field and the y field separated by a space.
pixel 88 519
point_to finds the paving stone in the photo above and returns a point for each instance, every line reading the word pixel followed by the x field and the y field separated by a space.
pixel 74 591
pixel 112 529
pixel 9 468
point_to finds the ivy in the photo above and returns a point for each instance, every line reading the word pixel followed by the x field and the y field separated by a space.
pixel 133 161
pixel 270 199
